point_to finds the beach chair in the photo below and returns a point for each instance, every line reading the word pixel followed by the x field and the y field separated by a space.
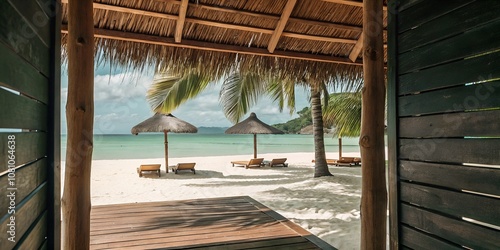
pixel 330 161
pixel 348 161
pixel 184 166
pixel 149 168
pixel 257 162
pixel 278 162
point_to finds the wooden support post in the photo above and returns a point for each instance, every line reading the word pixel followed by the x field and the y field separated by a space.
pixel 254 146
pixel 166 150
pixel 373 194
pixel 340 147
pixel 80 120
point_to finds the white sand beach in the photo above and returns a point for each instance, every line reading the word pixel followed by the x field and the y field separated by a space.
pixel 327 207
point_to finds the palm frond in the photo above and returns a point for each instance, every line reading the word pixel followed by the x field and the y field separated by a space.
pixel 169 92
pixel 239 93
pixel 282 91
pixel 344 113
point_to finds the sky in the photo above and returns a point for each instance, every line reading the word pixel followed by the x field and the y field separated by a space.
pixel 120 103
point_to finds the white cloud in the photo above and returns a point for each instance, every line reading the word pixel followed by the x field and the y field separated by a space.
pixel 121 86
pixel 120 104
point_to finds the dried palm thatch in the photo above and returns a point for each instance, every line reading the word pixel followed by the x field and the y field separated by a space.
pixel 299 40
pixel 164 122
pixel 252 125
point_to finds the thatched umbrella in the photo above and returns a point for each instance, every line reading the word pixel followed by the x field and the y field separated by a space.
pixel 252 125
pixel 166 123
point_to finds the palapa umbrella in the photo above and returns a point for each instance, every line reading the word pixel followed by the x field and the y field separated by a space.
pixel 252 125
pixel 164 123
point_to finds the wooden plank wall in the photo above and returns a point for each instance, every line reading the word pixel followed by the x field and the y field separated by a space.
pixel 29 124
pixel 444 85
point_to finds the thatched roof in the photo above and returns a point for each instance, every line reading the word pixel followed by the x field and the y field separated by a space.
pixel 162 122
pixel 252 125
pixel 298 39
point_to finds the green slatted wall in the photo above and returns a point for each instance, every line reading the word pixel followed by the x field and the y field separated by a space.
pixel 29 120
pixel 444 119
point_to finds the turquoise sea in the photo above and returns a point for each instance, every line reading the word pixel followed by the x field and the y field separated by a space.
pixel 143 146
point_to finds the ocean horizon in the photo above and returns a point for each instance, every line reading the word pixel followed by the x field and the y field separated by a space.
pixel 151 145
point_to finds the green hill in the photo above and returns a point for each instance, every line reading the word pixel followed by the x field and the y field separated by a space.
pixel 295 125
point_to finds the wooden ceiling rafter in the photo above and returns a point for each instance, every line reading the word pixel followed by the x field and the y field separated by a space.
pixel 235 26
pixel 207 46
pixel 357 48
pixel 285 15
pixel 274 17
pixel 350 2
pixel 180 22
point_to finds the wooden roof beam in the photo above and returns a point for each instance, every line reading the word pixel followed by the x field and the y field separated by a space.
pixel 181 21
pixel 291 19
pixel 357 49
pixel 191 44
pixel 235 26
pixel 350 2
pixel 130 10
pixel 281 25
pixel 218 24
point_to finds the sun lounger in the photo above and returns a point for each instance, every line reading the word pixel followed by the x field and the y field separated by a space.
pixel 184 166
pixel 278 162
pixel 348 161
pixel 330 161
pixel 149 168
pixel 257 162
pixel 344 161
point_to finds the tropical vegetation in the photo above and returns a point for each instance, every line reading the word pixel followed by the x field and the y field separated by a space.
pixel 295 125
pixel 239 92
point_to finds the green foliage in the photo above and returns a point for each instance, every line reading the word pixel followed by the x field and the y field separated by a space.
pixel 344 114
pixel 169 92
pixel 295 125
pixel 239 92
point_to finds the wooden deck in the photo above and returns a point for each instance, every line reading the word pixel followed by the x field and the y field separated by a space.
pixel 219 223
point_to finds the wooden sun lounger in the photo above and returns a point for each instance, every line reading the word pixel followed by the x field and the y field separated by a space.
pixel 344 161
pixel 149 168
pixel 257 162
pixel 330 161
pixel 184 166
pixel 348 161
pixel 278 162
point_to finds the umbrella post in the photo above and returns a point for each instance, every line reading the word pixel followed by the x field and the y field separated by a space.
pixel 254 146
pixel 340 147
pixel 166 150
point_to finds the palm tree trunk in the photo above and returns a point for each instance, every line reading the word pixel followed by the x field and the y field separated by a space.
pixel 320 167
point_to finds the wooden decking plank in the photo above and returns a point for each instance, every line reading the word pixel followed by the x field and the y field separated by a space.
pixel 216 223
pixel 169 236
pixel 180 223
pixel 173 221
pixel 255 244
pixel 173 212
pixel 181 232
pixel 189 241
pixel 124 209
pixel 214 201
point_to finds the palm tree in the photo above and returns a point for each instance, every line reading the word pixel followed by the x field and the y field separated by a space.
pixel 344 114
pixel 320 166
pixel 239 92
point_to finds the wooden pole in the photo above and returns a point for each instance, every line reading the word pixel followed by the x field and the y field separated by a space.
pixel 165 132
pixel 340 147
pixel 76 203
pixel 254 146
pixel 373 194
